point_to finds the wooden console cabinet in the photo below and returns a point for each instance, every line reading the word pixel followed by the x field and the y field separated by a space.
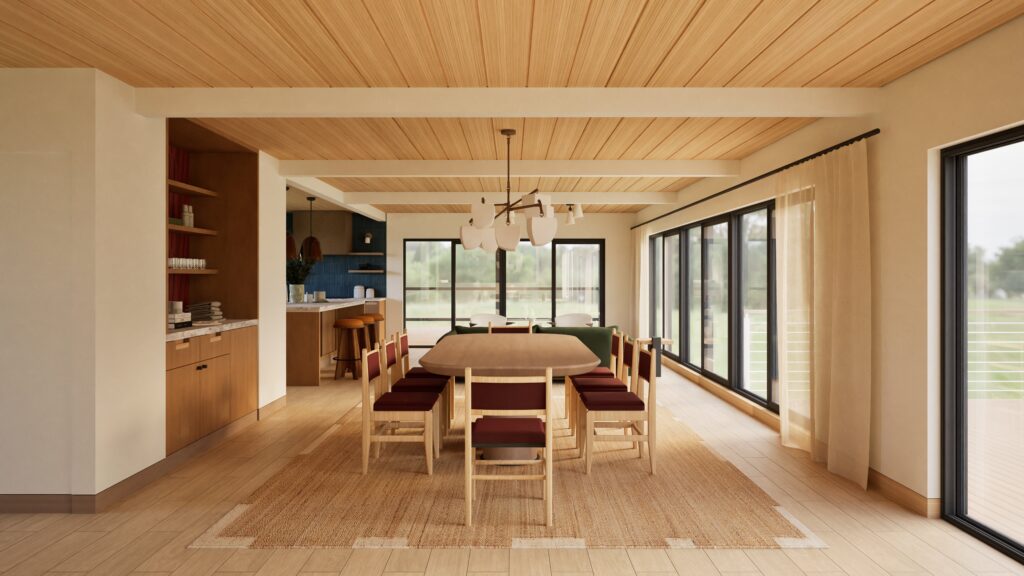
pixel 211 382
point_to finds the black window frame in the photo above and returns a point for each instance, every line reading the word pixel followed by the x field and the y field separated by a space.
pixel 954 345
pixel 734 381
pixel 500 262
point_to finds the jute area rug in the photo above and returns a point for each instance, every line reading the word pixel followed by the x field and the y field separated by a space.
pixel 321 499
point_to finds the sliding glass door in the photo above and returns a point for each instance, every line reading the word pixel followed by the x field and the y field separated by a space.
pixel 716 300
pixel 984 339
pixel 428 290
pixel 694 295
pixel 754 284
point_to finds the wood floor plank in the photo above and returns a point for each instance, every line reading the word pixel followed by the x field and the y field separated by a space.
pixel 409 560
pixel 327 561
pixel 650 561
pixel 48 558
pixel 488 560
pixel 613 562
pixel 127 559
pixel 247 561
pixel 366 562
pixel 569 560
pixel 695 562
pixel 285 563
pixel 528 562
pixel 454 561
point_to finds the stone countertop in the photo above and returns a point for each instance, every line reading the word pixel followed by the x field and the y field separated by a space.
pixel 331 304
pixel 183 333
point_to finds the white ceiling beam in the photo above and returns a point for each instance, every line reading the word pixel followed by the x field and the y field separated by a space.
pixel 380 198
pixel 528 168
pixel 325 191
pixel 505 102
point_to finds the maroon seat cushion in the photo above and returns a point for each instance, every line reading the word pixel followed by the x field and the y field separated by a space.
pixel 598 384
pixel 611 401
pixel 491 432
pixel 421 372
pixel 419 385
pixel 405 402
pixel 599 372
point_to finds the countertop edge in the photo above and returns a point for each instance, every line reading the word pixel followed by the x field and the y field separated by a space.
pixel 316 307
pixel 227 325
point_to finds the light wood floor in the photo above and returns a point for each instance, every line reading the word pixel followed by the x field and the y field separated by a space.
pixel 149 534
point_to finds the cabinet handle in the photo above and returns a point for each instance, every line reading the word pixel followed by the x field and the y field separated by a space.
pixel 202 367
pixel 184 344
pixel 216 338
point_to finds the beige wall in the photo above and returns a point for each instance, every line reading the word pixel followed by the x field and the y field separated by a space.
pixel 272 292
pixel 973 90
pixel 614 228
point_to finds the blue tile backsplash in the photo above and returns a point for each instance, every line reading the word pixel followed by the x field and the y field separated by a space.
pixel 332 274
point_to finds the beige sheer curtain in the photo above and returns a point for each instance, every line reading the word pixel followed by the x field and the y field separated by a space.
pixel 641 282
pixel 823 252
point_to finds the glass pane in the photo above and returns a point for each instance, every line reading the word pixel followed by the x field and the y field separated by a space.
pixel 428 290
pixel 754 301
pixel 716 300
pixel 476 283
pixel 693 294
pixel 528 283
pixel 670 321
pixel 578 279
pixel 657 268
pixel 995 339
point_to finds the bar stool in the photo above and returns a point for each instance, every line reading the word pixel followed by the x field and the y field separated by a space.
pixel 371 328
pixel 350 327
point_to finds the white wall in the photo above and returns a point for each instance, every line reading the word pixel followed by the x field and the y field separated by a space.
pixel 973 90
pixel 82 224
pixel 614 228
pixel 272 292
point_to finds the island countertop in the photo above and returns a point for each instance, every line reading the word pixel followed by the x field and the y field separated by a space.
pixel 331 304
pixel 193 331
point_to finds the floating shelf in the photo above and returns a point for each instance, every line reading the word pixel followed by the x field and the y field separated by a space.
pixel 189 189
pixel 365 271
pixel 362 254
pixel 190 271
pixel 191 230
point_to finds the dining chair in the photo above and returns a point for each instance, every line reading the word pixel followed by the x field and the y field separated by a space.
pixel 486 319
pixel 513 412
pixel 435 383
pixel 633 411
pixel 602 372
pixel 624 381
pixel 575 319
pixel 405 408
pixel 420 372
pixel 518 329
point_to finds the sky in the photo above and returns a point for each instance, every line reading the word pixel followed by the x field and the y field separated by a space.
pixel 995 198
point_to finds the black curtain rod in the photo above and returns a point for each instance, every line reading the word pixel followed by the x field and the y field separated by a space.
pixel 832 148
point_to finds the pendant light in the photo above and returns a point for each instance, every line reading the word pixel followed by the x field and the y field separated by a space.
pixel 311 246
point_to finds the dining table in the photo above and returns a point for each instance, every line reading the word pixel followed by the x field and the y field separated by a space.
pixel 510 355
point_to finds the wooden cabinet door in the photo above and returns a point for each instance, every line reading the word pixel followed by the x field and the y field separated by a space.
pixel 213 345
pixel 328 340
pixel 244 372
pixel 182 353
pixel 182 397
pixel 216 391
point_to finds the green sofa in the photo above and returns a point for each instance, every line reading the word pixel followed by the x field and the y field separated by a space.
pixel 598 338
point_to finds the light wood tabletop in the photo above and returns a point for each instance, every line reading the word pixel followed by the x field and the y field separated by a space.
pixel 510 355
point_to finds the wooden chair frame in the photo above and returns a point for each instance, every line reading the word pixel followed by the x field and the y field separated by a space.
pixel 446 407
pixel 547 452
pixel 514 329
pixel 393 420
pixel 638 426
pixel 572 397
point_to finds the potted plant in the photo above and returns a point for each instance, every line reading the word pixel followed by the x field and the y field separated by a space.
pixel 297 271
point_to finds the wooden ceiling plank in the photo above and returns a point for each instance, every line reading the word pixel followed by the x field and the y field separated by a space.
pixel 517 124
pixel 914 29
pixel 608 27
pixel 765 24
pixel 251 30
pixel 565 136
pixel 299 25
pixel 404 28
pixel 780 130
pixel 657 32
pixel 451 137
pixel 506 41
pixel 423 137
pixel 680 184
pixel 625 135
pixel 711 26
pixel 955 34
pixel 537 137
pixel 717 131
pixel 684 134
pixel 596 133
pixel 455 29
pixel 742 134
pixel 653 135
pixel 21 50
pixel 814 27
pixel 206 35
pixel 557 27
pixel 351 27
pixel 480 137
pixel 858 31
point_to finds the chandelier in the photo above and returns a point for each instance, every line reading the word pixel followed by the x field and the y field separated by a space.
pixel 489 231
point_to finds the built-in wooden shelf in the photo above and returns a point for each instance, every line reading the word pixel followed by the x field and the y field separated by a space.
pixel 190 271
pixel 191 230
pixel 362 254
pixel 365 271
pixel 189 189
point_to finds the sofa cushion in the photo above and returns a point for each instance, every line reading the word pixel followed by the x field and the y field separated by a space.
pixel 611 401
pixel 597 339
pixel 492 432
pixel 405 402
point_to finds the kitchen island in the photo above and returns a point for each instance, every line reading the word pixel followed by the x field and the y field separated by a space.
pixel 312 339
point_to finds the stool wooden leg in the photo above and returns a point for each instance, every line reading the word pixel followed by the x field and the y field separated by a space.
pixel 356 364
pixel 428 437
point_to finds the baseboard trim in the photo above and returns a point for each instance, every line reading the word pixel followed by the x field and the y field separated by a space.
pixel 752 409
pixel 272 408
pixel 94 503
pixel 903 496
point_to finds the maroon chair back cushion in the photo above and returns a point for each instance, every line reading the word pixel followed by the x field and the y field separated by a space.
pixel 372 364
pixel 405 344
pixel 615 344
pixel 627 353
pixel 492 396
pixel 646 365
pixel 392 357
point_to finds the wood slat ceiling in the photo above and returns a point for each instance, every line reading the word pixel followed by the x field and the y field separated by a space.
pixel 464 208
pixel 493 43
pixel 519 185
pixel 479 138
